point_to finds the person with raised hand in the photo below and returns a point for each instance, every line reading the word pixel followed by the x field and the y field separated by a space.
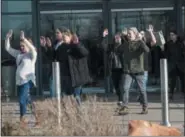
pixel 25 73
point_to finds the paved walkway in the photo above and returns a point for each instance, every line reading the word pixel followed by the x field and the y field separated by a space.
pixel 176 111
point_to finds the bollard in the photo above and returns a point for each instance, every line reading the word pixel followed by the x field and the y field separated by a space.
pixel 164 92
pixel 56 84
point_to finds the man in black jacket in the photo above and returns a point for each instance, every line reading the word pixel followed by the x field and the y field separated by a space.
pixel 115 58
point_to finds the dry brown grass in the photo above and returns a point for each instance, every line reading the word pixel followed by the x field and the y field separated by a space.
pixel 87 120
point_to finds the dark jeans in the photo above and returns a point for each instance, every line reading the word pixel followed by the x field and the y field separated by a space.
pixel 141 83
pixel 66 85
pixel 24 96
pixel 68 90
pixel 117 82
pixel 173 77
pixel 77 93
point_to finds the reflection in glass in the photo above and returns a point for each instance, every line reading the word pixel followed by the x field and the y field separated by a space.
pixel 17 23
pixel 88 27
pixel 162 20
pixel 16 6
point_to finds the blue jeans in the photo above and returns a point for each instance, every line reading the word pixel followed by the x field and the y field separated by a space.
pixel 134 84
pixel 51 88
pixel 68 90
pixel 77 93
pixel 141 83
pixel 24 96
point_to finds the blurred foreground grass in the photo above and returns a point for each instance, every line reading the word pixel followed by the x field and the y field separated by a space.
pixel 87 120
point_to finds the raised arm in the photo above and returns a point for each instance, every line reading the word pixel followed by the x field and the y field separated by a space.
pixel 30 47
pixel 153 39
pixel 104 41
pixel 8 48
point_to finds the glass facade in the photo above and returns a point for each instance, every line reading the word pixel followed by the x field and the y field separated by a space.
pixel 19 18
pixel 161 19
pixel 86 18
pixel 88 27
pixel 21 6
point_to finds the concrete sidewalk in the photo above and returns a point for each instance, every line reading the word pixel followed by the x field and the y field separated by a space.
pixel 155 115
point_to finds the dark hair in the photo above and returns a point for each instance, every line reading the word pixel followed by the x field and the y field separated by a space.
pixel 173 31
pixel 117 33
pixel 63 29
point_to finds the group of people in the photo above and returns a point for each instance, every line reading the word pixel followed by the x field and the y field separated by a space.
pixel 72 56
pixel 127 57
pixel 128 61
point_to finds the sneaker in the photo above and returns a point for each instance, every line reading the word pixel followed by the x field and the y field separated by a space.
pixel 144 110
pixel 119 105
pixel 123 110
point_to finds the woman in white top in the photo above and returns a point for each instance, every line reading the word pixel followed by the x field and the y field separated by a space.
pixel 25 73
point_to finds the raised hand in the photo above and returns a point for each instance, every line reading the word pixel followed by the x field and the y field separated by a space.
pixel 22 36
pixel 75 39
pixel 105 32
pixel 48 42
pixel 9 34
pixel 150 28
pixel 42 41
pixel 124 32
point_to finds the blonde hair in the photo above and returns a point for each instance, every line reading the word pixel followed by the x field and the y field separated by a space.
pixel 134 29
pixel 30 40
pixel 67 33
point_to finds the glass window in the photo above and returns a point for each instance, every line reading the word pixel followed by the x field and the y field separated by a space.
pixel 88 26
pixel 161 20
pixel 17 23
pixel 16 6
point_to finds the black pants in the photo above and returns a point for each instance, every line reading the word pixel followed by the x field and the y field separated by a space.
pixel 173 77
pixel 117 82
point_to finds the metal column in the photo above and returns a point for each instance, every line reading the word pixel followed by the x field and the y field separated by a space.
pixel 164 92
pixel 57 87
pixel 36 39
pixel 178 13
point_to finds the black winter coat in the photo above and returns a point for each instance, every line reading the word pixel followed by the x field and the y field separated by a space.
pixel 175 53
pixel 114 55
pixel 73 62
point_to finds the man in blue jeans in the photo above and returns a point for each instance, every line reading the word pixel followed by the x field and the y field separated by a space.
pixel 133 69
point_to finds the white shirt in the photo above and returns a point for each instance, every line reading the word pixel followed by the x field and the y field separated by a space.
pixel 57 45
pixel 25 65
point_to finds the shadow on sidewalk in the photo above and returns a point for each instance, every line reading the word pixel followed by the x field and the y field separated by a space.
pixel 152 98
